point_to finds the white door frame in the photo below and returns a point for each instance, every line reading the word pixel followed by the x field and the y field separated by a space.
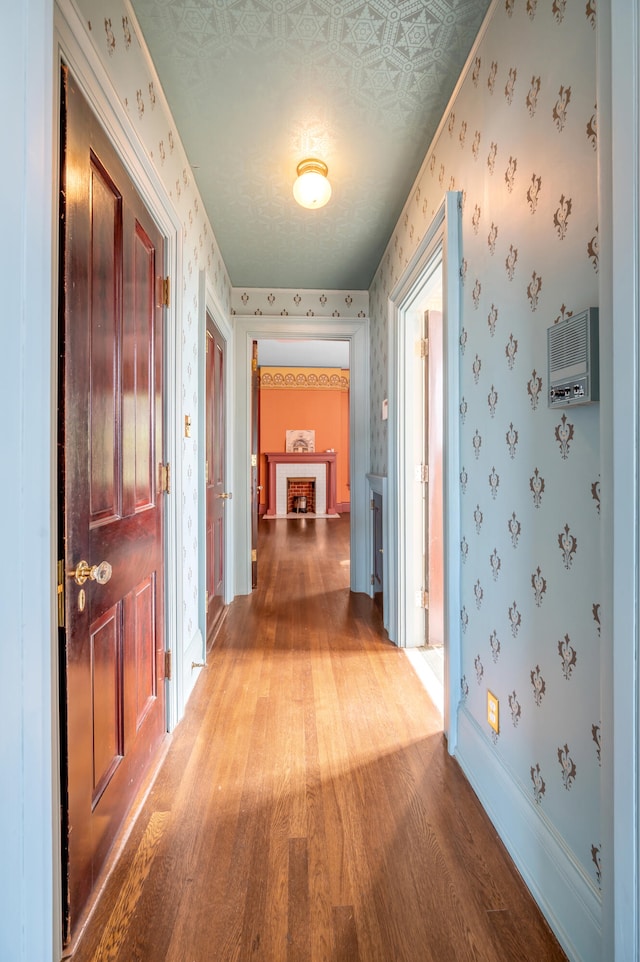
pixel 74 48
pixel 251 327
pixel 208 303
pixel 444 232
pixel 619 215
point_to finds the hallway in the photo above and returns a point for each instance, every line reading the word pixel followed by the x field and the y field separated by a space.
pixel 307 808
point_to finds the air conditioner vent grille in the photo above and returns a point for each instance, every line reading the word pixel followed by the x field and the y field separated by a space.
pixel 568 345
pixel 572 360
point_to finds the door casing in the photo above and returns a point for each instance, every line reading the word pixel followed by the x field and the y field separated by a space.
pixel 356 331
pixel 443 231
pixel 73 48
pixel 208 303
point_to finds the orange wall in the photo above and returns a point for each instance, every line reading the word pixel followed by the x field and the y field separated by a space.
pixel 324 410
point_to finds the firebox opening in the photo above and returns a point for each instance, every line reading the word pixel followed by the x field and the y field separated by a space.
pixel 301 496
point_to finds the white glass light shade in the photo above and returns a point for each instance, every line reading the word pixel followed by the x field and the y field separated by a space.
pixel 312 189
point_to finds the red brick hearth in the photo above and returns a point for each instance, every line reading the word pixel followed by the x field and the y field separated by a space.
pixel 301 488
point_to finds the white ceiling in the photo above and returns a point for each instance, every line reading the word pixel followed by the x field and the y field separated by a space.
pixel 255 86
pixel 278 352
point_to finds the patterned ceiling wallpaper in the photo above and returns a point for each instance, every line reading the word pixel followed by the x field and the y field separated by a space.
pixel 114 37
pixel 520 143
pixel 257 85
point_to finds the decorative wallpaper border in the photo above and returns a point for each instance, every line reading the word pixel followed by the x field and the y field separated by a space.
pixel 285 302
pixel 304 379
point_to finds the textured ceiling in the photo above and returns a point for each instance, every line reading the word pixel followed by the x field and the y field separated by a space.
pixel 255 86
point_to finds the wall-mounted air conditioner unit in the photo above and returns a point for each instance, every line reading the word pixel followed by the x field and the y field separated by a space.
pixel 572 360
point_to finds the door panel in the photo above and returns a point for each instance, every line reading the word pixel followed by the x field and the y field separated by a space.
pixel 113 705
pixel 106 720
pixel 216 495
pixel 103 321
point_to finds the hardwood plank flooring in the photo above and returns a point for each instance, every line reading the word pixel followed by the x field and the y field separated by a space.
pixel 307 809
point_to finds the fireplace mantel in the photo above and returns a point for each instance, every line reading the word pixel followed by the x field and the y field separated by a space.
pixel 274 458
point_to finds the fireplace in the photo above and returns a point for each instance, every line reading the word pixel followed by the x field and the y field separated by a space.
pixel 318 467
pixel 301 495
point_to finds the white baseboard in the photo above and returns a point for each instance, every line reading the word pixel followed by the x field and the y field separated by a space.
pixel 567 897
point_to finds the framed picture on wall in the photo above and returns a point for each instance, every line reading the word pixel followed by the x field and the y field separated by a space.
pixel 300 441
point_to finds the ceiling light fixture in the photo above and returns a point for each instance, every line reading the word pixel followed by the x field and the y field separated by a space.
pixel 312 189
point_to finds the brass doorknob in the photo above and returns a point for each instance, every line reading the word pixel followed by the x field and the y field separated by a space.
pixel 85 572
pixel 225 494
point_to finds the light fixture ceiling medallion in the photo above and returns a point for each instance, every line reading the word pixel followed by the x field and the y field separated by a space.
pixel 312 189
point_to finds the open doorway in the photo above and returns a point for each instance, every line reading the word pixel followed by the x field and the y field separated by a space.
pixel 304 407
pixel 354 332
pixel 424 341
pixel 300 434
pixel 411 559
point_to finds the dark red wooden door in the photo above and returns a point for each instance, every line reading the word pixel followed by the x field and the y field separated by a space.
pixel 111 444
pixel 215 472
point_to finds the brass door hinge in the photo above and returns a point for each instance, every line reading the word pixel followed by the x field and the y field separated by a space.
pixel 372 504
pixel 422 347
pixel 60 594
pixel 165 292
pixel 164 478
pixel 373 579
pixel 254 364
pixel 254 555
pixel 423 599
pixel 424 473
pixel 167 665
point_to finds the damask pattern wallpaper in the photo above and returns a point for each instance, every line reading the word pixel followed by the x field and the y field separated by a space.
pixel 519 142
pixel 114 37
pixel 282 302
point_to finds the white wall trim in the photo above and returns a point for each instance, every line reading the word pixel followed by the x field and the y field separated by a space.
pixel 443 235
pixel 605 839
pixel 623 739
pixel 356 331
pixel 452 259
pixel 29 807
pixel 566 895
pixel 225 328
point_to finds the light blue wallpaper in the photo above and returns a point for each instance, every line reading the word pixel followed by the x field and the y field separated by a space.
pixel 520 143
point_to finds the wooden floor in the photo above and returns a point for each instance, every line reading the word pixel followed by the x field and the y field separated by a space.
pixel 307 808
